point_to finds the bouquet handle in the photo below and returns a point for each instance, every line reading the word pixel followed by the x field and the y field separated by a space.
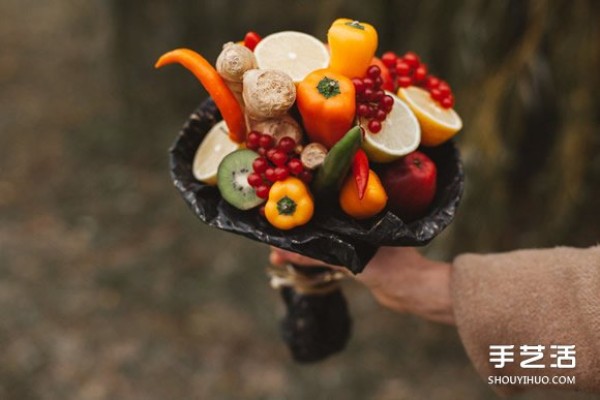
pixel 317 323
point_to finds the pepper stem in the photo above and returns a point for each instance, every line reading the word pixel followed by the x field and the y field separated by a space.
pixel 286 206
pixel 356 24
pixel 328 87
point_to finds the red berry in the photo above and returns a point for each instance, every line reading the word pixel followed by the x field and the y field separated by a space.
pixel 270 174
pixel 287 144
pixel 281 173
pixel 412 59
pixel 295 166
pixel 254 179
pixel 448 101
pixel 380 115
pixel 432 82
pixel 260 165
pixel 251 40
pixel 362 110
pixel 402 68
pixel 444 88
pixel 359 86
pixel 387 102
pixel 404 81
pixel 269 153
pixel 374 97
pixel 368 94
pixel 389 58
pixel 305 176
pixel 436 94
pixel 262 191
pixel 420 73
pixel 369 83
pixel 373 72
pixel 278 157
pixel 374 126
pixel 261 151
pixel 252 140
pixel 266 141
pixel 372 110
pixel 378 82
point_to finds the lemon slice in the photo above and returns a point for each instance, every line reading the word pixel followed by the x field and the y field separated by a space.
pixel 399 135
pixel 295 53
pixel 215 146
pixel 438 124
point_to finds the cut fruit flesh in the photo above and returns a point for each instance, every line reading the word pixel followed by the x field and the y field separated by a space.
pixel 399 135
pixel 232 179
pixel 215 146
pixel 295 53
pixel 438 124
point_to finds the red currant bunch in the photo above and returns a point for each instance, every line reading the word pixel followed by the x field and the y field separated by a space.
pixel 277 161
pixel 409 70
pixel 371 101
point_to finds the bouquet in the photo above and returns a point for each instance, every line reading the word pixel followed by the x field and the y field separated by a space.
pixel 325 150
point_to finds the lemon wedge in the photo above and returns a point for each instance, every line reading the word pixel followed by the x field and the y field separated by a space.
pixel 215 146
pixel 399 135
pixel 295 53
pixel 438 124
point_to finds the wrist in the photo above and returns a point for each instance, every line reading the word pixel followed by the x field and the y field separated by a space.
pixel 431 293
pixel 403 280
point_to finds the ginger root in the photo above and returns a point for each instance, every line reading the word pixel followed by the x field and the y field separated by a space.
pixel 267 94
pixel 232 63
pixel 279 128
pixel 313 155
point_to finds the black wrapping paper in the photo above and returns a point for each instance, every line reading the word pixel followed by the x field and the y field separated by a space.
pixel 330 236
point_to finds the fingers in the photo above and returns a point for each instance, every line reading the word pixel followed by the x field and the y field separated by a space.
pixel 281 257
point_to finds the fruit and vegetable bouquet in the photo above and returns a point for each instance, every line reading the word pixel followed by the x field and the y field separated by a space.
pixel 319 148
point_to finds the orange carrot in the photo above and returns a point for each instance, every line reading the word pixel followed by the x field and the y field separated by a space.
pixel 215 86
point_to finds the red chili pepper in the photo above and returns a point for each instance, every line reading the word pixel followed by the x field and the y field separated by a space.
pixel 360 170
pixel 251 40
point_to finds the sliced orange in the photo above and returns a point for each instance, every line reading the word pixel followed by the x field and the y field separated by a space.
pixel 438 124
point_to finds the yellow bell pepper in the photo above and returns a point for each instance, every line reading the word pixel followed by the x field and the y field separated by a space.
pixel 352 45
pixel 290 204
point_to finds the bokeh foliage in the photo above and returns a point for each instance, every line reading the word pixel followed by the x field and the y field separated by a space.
pixel 109 288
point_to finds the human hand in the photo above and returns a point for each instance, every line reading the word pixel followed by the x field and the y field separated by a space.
pixel 399 278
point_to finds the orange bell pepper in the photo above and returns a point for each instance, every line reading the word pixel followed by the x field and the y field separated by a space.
pixel 326 100
pixel 215 86
pixel 373 202
pixel 352 45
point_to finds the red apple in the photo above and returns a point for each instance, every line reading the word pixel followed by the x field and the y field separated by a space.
pixel 410 183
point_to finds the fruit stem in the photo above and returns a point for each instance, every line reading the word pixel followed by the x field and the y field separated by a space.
pixel 286 206
pixel 356 24
pixel 328 87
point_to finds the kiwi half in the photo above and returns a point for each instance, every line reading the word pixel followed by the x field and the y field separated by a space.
pixel 232 179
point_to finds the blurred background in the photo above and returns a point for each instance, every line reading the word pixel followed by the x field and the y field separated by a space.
pixel 111 289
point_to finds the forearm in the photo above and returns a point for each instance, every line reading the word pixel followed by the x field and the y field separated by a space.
pixel 532 297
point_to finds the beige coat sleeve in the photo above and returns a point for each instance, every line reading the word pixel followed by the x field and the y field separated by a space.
pixel 531 297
